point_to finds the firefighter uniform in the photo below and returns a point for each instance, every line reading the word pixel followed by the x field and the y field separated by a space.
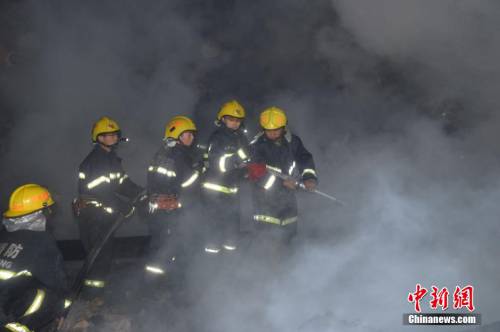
pixel 275 206
pixel 104 190
pixel 173 190
pixel 227 153
pixel 32 278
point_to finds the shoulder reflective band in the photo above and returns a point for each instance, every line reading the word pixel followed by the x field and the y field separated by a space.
pixel 67 303
pixel 98 181
pixel 222 162
pixel 17 327
pixel 270 182
pixel 242 154
pixel 154 269
pixel 7 274
pixel 274 220
pixel 191 180
pixel 222 189
pixel 310 171
pixel 94 283
pixel 37 303
pixel 162 170
pixel 81 176
pixel 290 170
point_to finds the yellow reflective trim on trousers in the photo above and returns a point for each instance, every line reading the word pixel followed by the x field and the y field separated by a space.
pixel 37 302
pixel 229 247
pixel 154 269
pixel 7 274
pixel 274 220
pixel 212 250
pixel 67 303
pixel 17 327
pixel 218 187
pixel 94 283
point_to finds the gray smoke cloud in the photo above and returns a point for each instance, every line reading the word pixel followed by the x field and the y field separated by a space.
pixel 87 60
pixel 396 100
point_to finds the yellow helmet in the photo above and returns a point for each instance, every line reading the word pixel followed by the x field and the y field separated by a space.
pixel 273 118
pixel 103 126
pixel 177 125
pixel 27 199
pixel 231 108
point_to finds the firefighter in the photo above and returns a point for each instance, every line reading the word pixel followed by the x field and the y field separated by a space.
pixel 227 153
pixel 104 191
pixel 32 279
pixel 276 149
pixel 173 189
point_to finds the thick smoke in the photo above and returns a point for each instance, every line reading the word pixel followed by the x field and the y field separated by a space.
pixel 396 100
pixel 136 64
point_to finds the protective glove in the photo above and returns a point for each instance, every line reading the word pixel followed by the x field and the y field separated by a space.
pixel 310 184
